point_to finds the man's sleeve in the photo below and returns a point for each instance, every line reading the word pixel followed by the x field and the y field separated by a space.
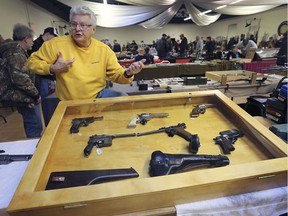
pixel 40 61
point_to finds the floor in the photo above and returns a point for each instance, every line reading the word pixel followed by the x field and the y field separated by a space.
pixel 12 130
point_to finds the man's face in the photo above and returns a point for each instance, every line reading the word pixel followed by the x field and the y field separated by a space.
pixel 50 36
pixel 28 43
pixel 82 30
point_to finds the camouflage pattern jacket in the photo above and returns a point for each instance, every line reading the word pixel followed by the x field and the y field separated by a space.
pixel 21 89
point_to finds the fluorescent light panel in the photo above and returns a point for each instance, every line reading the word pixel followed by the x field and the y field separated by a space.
pixel 223 6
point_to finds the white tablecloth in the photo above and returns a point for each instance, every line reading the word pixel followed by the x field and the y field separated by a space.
pixel 11 174
pixel 271 202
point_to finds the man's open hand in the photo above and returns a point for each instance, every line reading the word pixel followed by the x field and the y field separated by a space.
pixel 61 66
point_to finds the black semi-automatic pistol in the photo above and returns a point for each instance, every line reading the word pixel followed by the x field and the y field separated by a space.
pixel 6 158
pixel 82 122
pixel 227 138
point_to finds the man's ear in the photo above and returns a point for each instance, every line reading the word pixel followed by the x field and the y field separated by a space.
pixel 94 29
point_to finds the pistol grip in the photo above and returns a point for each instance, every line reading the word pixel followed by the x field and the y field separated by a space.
pixel 133 122
pixel 88 149
pixel 182 133
pixel 194 144
pixel 74 128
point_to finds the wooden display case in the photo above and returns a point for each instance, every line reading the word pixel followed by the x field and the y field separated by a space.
pixel 233 75
pixel 259 161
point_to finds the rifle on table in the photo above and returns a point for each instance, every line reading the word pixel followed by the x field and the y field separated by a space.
pixel 6 158
pixel 227 138
pixel 82 122
pixel 165 164
pixel 67 179
pixel 106 140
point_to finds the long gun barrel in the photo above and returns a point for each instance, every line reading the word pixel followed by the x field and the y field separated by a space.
pixel 106 140
pixel 165 164
pixel 6 158
pixel 82 122
pixel 76 178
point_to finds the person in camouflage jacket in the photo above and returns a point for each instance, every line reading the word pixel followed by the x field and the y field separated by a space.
pixel 21 91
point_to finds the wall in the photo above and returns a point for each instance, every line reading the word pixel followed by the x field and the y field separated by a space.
pixel 26 12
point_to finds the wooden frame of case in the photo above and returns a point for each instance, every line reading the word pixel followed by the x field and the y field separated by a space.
pixel 259 161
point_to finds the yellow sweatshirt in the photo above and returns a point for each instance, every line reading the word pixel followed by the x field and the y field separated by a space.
pixel 88 74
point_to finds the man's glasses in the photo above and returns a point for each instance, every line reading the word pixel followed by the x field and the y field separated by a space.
pixel 81 26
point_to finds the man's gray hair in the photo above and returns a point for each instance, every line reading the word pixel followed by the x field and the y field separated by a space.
pixel 20 32
pixel 83 10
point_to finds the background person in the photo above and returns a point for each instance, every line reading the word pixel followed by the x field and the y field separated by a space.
pixel 143 53
pixel 162 47
pixel 234 53
pixel 246 44
pixel 44 82
pixel 22 92
pixel 183 45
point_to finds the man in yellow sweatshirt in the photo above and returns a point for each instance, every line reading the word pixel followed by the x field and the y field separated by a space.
pixel 81 63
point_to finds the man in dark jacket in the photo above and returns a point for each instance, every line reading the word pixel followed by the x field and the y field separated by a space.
pixel 143 53
pixel 183 45
pixel 116 46
pixel 282 53
pixel 162 47
pixel 44 82
pixel 21 91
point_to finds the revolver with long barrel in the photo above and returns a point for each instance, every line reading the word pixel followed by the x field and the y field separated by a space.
pixel 143 118
pixel 165 164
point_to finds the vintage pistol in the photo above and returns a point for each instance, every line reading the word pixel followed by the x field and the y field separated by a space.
pixel 103 141
pixel 165 164
pixel 76 178
pixel 82 122
pixel 179 130
pixel 143 118
pixel 6 158
pixel 227 139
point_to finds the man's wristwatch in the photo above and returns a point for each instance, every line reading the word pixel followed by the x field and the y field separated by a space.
pixel 126 75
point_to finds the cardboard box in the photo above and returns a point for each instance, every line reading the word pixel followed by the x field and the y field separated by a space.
pixel 259 161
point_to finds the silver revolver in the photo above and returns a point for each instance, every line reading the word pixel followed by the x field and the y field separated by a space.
pixel 143 118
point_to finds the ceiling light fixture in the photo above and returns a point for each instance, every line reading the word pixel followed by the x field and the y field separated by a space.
pixel 205 12
pixel 187 18
pixel 235 2
pixel 223 6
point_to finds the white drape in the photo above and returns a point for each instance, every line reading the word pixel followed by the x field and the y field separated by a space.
pixel 152 14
